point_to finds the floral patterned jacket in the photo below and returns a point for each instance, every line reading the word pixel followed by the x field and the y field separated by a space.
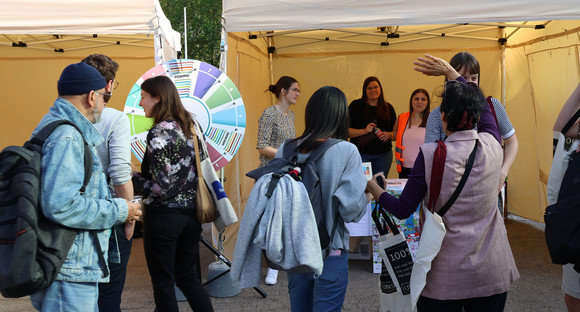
pixel 168 175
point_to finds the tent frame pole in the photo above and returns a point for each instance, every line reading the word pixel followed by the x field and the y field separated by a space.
pixel 185 30
pixel 503 72
pixel 271 65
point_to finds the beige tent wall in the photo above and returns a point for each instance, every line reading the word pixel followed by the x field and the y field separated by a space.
pixel 542 71
pixel 30 77
pixel 248 66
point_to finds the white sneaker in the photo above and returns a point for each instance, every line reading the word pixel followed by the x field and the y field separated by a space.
pixel 271 277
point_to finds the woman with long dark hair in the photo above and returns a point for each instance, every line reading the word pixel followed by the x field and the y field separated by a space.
pixel 475 266
pixel 371 126
pixel 342 184
pixel 409 131
pixel 168 182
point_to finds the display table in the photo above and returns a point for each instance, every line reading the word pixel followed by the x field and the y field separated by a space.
pixel 366 226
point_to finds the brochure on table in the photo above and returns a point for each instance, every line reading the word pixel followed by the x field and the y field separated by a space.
pixel 366 227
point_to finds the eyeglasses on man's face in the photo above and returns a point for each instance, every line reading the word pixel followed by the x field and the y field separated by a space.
pixel 104 94
pixel 115 84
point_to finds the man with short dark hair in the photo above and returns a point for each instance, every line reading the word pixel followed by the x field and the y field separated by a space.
pixel 81 90
pixel 115 156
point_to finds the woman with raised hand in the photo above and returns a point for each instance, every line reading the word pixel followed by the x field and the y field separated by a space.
pixel 409 131
pixel 475 266
pixel 371 126
pixel 168 182
pixel 464 64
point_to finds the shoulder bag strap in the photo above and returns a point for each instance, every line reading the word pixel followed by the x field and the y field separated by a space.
pixel 571 122
pixel 453 197
pixel 490 102
pixel 437 174
pixel 197 156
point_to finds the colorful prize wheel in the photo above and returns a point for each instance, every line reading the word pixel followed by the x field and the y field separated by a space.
pixel 208 94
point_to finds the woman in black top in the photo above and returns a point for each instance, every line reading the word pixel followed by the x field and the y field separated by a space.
pixel 371 126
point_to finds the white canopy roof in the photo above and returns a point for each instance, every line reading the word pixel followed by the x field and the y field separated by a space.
pixel 66 21
pixel 265 15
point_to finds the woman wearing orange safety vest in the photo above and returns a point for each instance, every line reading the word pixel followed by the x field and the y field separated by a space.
pixel 410 130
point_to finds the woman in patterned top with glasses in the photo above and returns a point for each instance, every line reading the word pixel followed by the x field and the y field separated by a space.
pixel 276 124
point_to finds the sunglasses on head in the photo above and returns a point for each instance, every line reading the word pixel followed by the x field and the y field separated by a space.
pixel 452 82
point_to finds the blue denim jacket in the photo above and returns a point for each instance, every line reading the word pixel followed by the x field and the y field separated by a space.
pixel 61 201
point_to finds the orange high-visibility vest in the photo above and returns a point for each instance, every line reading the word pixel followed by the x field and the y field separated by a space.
pixel 403 119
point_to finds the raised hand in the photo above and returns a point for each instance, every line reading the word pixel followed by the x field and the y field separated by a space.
pixel 435 66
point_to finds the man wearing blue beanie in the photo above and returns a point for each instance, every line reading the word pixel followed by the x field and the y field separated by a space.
pixel 81 90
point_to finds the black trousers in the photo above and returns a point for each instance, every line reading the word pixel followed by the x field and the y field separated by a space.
pixel 494 303
pixel 110 293
pixel 171 242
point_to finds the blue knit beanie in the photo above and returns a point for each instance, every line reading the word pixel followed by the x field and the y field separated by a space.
pixel 80 78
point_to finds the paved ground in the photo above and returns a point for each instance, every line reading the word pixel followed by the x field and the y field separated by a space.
pixel 538 289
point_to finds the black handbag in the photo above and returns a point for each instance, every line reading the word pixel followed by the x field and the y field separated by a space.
pixel 562 219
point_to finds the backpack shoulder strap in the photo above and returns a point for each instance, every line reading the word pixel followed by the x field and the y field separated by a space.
pixel 319 151
pixel 289 150
pixel 45 132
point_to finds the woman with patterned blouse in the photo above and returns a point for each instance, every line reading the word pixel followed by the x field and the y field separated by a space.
pixel 275 126
pixel 168 182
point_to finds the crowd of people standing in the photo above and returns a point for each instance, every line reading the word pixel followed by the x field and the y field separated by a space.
pixel 464 119
pixel 368 128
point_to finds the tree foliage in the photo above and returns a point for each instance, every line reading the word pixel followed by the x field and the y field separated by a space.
pixel 203 27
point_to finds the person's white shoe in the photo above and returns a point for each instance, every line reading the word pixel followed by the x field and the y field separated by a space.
pixel 271 277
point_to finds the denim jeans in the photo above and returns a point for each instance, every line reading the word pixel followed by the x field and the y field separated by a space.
pixel 320 293
pixel 379 162
pixel 67 296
